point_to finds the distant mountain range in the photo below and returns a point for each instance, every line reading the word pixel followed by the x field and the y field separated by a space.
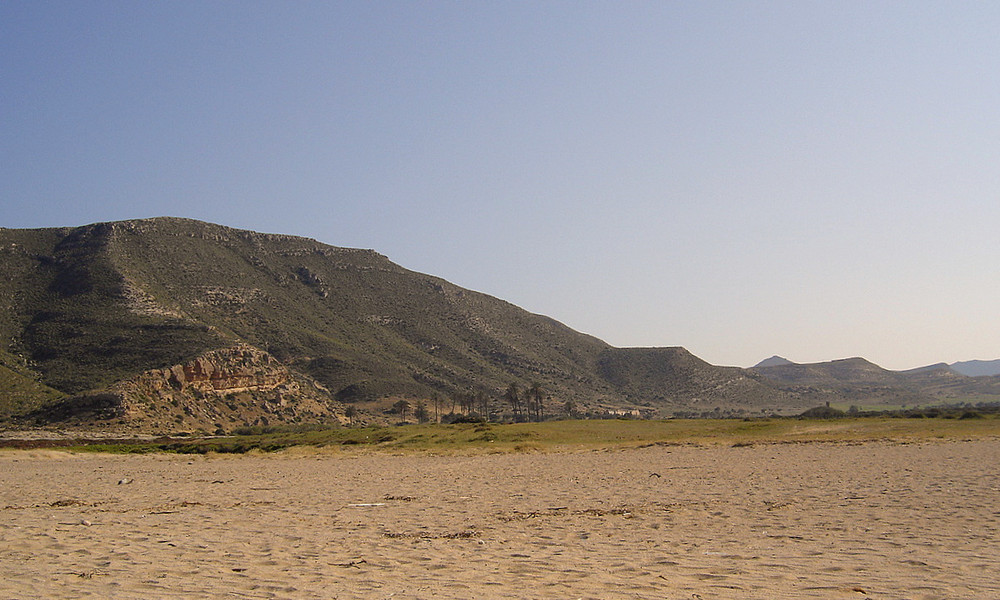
pixel 858 380
pixel 977 368
pixel 970 368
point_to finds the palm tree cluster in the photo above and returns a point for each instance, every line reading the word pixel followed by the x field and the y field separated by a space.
pixel 526 406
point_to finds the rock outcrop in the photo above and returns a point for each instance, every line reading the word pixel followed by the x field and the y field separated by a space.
pixel 236 369
pixel 217 391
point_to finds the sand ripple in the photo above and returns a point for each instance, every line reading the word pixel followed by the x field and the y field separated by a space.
pixel 916 522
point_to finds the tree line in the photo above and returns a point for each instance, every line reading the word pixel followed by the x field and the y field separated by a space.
pixel 518 404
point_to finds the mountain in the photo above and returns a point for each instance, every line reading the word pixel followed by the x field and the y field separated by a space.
pixel 934 367
pixel 675 377
pixel 858 380
pixel 172 324
pixel 774 361
pixel 977 368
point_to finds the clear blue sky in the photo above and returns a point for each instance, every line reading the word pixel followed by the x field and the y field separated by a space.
pixel 812 179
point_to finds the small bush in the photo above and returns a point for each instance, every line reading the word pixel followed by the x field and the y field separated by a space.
pixel 822 412
pixel 458 419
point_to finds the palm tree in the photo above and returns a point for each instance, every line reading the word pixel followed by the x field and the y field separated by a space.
pixel 513 397
pixel 401 407
pixel 483 400
pixel 536 394
pixel 465 401
pixel 570 408
pixel 421 412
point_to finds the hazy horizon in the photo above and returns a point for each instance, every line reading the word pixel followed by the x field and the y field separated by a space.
pixel 814 181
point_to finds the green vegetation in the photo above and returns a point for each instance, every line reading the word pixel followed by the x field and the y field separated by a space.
pixel 21 392
pixel 559 435
pixel 956 410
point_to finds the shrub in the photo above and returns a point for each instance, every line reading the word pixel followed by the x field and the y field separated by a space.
pixel 822 412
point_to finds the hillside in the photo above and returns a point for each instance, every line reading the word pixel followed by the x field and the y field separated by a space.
pixel 675 377
pixel 169 323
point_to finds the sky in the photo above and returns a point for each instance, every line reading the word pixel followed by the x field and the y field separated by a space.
pixel 817 180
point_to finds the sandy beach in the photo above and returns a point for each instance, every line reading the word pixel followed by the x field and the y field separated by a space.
pixel 817 520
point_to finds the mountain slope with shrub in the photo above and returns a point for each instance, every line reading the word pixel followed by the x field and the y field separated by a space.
pixel 100 319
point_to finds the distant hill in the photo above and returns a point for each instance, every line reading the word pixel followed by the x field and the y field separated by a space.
pixel 858 380
pixel 774 361
pixel 977 368
pixel 934 367
pixel 680 379
pixel 172 324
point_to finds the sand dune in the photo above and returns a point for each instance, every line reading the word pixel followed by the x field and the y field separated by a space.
pixel 874 520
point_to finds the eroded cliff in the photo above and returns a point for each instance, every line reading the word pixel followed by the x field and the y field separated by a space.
pixel 217 391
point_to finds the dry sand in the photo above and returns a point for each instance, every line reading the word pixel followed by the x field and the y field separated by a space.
pixel 875 520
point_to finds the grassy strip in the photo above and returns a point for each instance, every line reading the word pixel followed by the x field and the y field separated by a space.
pixel 567 435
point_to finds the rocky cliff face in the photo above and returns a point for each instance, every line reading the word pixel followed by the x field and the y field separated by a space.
pixel 219 390
pixel 237 369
